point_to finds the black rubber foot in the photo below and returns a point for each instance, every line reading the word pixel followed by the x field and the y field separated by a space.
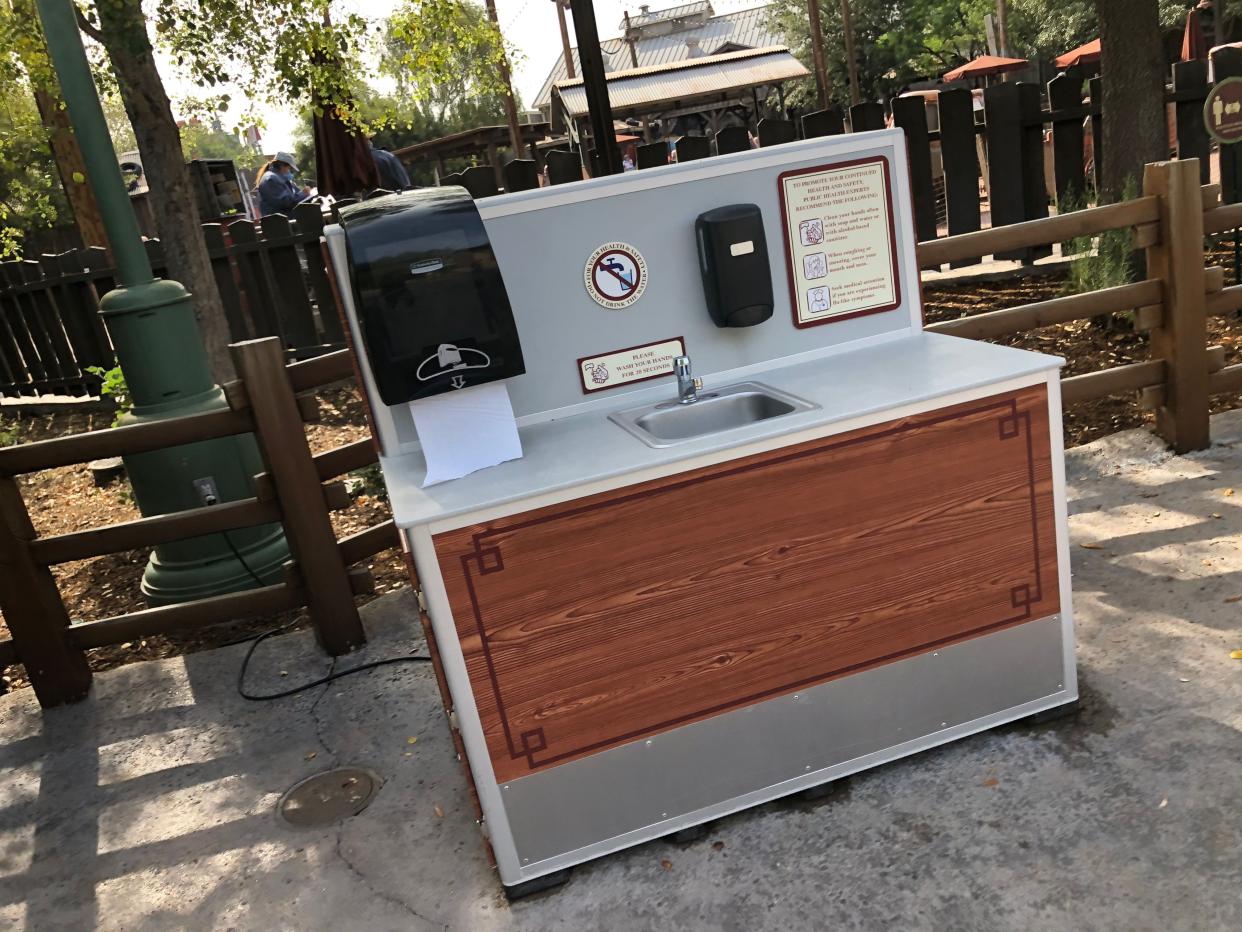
pixel 687 835
pixel 1056 713
pixel 823 791
pixel 538 885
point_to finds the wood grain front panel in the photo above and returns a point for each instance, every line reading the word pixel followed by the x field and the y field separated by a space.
pixel 601 621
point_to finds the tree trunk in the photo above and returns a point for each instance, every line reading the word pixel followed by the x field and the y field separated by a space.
pixel 71 168
pixel 123 33
pixel 61 140
pixel 1132 69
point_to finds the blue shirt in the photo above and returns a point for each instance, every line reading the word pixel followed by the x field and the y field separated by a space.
pixel 278 195
pixel 392 174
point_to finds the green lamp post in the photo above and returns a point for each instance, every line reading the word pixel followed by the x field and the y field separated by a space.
pixel 158 346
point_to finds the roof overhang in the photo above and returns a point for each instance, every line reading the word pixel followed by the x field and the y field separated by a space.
pixel 647 90
pixel 470 142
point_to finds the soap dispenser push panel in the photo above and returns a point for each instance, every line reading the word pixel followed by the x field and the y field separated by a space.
pixel 432 306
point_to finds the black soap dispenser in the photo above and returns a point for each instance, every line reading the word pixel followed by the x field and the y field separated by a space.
pixel 733 258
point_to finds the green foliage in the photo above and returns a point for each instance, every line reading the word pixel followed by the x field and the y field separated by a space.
pixel 1100 262
pixel 444 53
pixel 115 387
pixel 200 141
pixel 8 435
pixel 1109 265
pixel 123 138
pixel 315 55
pixel 902 41
pixel 367 481
pixel 1047 28
pixel 294 52
pixel 30 194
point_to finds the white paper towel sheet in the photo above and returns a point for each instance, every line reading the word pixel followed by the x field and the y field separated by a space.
pixel 467 430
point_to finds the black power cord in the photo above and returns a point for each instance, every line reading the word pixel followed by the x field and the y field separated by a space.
pixel 256 641
pixel 255 697
pixel 242 560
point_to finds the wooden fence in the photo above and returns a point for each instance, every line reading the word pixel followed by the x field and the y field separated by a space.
pixel 1169 221
pixel 946 135
pixel 272 281
pixel 297 490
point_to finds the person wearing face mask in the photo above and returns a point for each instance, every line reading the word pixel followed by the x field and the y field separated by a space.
pixel 276 190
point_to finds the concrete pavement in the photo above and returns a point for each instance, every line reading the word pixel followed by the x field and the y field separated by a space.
pixel 152 804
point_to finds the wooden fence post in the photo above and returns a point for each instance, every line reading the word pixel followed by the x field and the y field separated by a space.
pixel 33 610
pixel 1181 340
pixel 959 154
pixel 910 113
pixel 282 438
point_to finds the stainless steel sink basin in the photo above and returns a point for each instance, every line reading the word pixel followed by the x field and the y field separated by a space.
pixel 717 410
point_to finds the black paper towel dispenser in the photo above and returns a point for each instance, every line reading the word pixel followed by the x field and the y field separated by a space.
pixel 431 302
pixel 733 259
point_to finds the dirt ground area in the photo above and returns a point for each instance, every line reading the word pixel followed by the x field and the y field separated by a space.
pixel 67 499
pixel 1086 346
pixel 64 500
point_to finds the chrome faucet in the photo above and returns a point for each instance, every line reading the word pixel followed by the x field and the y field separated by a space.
pixel 687 386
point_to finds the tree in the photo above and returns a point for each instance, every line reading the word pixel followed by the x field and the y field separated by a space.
pixel 30 197
pixel 299 53
pixel 1132 69
pixel 203 141
pixel 399 120
pixel 119 26
pixel 24 70
pixel 896 41
pixel 445 55
pixel 902 41
pixel 272 50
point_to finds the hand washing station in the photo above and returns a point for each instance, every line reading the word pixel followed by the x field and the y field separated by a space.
pixel 843 543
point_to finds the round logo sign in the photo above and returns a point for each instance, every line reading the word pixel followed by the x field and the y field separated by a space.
pixel 1222 111
pixel 616 275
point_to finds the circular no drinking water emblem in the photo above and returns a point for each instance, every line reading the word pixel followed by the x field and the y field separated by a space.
pixel 616 275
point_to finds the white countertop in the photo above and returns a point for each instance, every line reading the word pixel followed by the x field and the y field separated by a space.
pixel 583 448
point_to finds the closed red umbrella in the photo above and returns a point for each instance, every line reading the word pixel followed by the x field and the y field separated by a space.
pixel 1087 54
pixel 986 65
pixel 343 161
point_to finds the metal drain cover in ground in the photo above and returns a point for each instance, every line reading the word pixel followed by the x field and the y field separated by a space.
pixel 329 796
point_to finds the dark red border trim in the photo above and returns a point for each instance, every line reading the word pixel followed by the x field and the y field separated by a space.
pixel 892 227
pixel 1012 422
pixel 620 303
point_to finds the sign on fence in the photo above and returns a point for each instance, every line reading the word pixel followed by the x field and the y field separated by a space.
pixel 1222 111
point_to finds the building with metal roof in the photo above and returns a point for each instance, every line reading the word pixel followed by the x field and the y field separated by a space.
pixel 697 84
pixel 660 37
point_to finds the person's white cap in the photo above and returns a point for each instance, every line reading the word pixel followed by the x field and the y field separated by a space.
pixel 287 158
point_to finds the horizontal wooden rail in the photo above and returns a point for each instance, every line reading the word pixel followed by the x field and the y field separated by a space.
pixel 1226 380
pixel 1039 232
pixel 1222 219
pixel 166 618
pixel 364 544
pixel 150 532
pixel 322 370
pixel 1225 301
pixel 329 464
pixel 1054 311
pixel 122 441
pixel 346 458
pixel 1133 377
